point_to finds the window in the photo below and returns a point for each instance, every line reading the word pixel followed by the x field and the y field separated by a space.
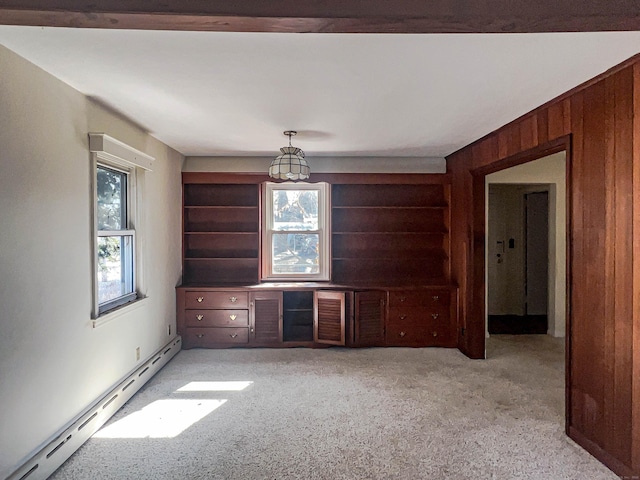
pixel 117 196
pixel 296 231
pixel 115 239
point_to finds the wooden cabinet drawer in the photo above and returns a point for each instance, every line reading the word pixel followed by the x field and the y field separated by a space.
pixel 418 316
pixel 206 337
pixel 427 336
pixel 440 336
pixel 204 299
pixel 404 336
pixel 424 298
pixel 217 318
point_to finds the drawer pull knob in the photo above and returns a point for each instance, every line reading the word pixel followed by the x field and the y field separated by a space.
pixel 252 330
pixel 233 335
pixel 233 299
pixel 402 334
pixel 435 334
pixel 402 299
pixel 434 315
pixel 233 317
pixel 435 298
pixel 199 317
pixel 200 299
pixel 402 317
pixel 200 335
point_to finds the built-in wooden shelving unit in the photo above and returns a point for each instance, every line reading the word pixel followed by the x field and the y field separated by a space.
pixel 390 233
pixel 221 233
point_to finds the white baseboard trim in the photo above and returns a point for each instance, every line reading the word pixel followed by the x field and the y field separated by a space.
pixel 46 460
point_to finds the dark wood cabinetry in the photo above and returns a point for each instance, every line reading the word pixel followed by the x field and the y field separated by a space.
pixel 266 317
pixel 329 317
pixel 368 330
pixel 298 316
pixel 221 228
pixel 422 317
pixel 259 316
pixel 390 234
pixel 390 250
pixel 213 318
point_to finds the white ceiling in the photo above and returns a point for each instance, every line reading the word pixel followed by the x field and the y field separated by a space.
pixel 216 93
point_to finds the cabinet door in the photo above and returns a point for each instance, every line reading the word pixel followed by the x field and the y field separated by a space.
pixel 265 317
pixel 329 317
pixel 369 318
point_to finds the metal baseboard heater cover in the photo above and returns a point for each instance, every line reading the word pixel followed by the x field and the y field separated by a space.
pixel 47 460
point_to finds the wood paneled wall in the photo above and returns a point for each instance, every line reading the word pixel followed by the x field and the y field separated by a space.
pixel 597 125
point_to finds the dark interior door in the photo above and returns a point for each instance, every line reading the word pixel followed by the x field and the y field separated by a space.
pixel 537 253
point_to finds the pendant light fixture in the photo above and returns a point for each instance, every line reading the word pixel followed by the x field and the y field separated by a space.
pixel 291 165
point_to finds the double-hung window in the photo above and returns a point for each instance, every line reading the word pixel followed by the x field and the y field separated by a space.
pixel 118 174
pixel 115 238
pixel 296 231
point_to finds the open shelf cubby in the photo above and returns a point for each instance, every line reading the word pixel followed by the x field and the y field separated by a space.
pixel 297 319
pixel 221 233
pixel 390 233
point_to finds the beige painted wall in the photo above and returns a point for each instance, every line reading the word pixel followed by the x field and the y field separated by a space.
pixel 53 364
pixel 321 164
pixel 551 171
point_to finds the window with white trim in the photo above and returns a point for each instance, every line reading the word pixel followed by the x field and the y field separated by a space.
pixel 295 243
pixel 115 237
pixel 118 174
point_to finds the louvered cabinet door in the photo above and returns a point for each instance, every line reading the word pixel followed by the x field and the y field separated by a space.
pixel 266 317
pixel 329 317
pixel 369 318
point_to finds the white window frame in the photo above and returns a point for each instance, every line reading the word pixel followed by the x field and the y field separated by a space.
pixel 115 155
pixel 324 231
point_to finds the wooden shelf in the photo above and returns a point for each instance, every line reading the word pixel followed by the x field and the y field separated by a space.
pixel 381 233
pixel 219 207
pixel 297 320
pixel 399 258
pixel 228 219
pixel 388 195
pixel 390 233
pixel 220 195
pixel 391 271
pixel 217 234
pixel 220 270
pixel 221 225
pixel 378 207
pixel 387 220
pixel 221 245
pixel 221 259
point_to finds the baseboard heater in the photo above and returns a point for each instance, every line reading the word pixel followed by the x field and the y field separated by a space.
pixel 47 460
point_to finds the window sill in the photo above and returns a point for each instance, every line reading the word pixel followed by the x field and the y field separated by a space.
pixel 118 312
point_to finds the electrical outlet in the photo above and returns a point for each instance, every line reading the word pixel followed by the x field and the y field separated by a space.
pixel 137 353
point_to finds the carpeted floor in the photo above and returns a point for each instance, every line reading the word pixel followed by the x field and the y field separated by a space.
pixel 346 414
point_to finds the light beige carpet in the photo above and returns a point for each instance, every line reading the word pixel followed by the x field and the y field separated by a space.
pixel 346 414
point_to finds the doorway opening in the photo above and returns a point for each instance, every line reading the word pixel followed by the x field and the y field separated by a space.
pixel 525 260
pixel 518 258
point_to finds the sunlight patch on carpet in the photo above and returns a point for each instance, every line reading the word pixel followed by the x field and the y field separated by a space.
pixel 214 387
pixel 160 419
